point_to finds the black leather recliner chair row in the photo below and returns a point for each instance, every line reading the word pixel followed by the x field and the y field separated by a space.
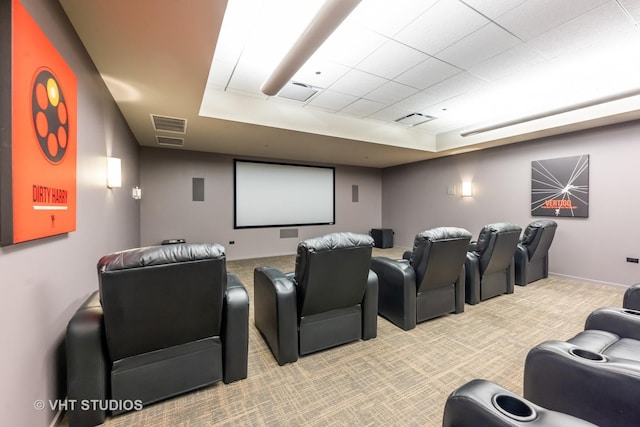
pixel 594 376
pixel 166 320
pixel 444 270
pixel 130 342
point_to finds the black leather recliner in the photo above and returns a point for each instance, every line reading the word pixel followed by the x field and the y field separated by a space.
pixel 532 253
pixel 330 299
pixel 489 265
pixel 484 403
pixel 166 320
pixel 428 283
pixel 594 375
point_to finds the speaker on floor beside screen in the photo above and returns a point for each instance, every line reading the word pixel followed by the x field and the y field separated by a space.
pixel 382 237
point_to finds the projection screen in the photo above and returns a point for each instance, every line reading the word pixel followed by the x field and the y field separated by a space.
pixel 282 195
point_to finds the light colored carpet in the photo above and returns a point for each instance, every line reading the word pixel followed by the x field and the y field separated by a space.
pixel 397 379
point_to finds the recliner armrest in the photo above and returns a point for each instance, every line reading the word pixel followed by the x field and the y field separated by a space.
pixel 521 260
pixel 275 310
pixel 370 307
pixel 484 403
pixel 472 278
pixel 391 270
pixel 87 362
pixel 604 392
pixel 620 321
pixel 235 330
pixel 397 290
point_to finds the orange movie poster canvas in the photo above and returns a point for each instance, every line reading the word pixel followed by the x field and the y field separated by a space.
pixel 43 140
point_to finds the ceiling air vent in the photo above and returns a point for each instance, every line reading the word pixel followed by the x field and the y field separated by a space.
pixel 169 124
pixel 414 119
pixel 297 91
pixel 167 140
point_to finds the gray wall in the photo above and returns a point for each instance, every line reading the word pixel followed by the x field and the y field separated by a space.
pixel 414 197
pixel 168 211
pixel 44 281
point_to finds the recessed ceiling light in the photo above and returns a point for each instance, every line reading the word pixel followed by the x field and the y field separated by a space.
pixel 414 119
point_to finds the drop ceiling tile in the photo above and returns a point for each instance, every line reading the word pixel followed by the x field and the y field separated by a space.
pixel 632 7
pixel 494 8
pixel 478 46
pixel 440 26
pixel 320 73
pixel 453 86
pixel 519 58
pixel 362 108
pixel 419 101
pixel 331 100
pixel 392 113
pixel 220 73
pixel 391 92
pixel 357 83
pixel 427 73
pixel 449 109
pixel 535 17
pixel 391 59
pixel 350 45
pixel 385 17
pixel 603 28
pixel 247 77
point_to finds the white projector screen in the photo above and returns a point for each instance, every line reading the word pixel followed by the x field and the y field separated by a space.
pixel 282 195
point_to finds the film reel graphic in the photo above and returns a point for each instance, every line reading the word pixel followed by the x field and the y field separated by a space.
pixel 50 116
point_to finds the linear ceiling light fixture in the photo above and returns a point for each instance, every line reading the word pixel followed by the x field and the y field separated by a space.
pixel 553 112
pixel 328 18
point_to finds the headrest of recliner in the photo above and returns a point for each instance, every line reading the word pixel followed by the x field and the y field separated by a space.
pixel 158 255
pixel 440 233
pixel 489 229
pixel 435 234
pixel 530 231
pixel 326 243
pixel 335 241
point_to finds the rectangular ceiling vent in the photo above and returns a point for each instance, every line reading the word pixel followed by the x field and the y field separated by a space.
pixel 170 141
pixel 169 124
pixel 297 91
pixel 414 119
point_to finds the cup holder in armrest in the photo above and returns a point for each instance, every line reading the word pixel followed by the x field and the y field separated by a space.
pixel 513 407
pixel 588 355
pixel 629 311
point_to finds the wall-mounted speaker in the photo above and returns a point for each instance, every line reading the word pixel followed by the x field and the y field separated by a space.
pixel 197 189
pixel 354 193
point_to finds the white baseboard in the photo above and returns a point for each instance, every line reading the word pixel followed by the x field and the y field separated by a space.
pixel 582 279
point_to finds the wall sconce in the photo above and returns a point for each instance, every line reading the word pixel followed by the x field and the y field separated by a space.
pixel 114 172
pixel 136 193
pixel 467 189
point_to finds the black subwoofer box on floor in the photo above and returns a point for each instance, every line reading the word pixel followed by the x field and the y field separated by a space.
pixel 382 237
